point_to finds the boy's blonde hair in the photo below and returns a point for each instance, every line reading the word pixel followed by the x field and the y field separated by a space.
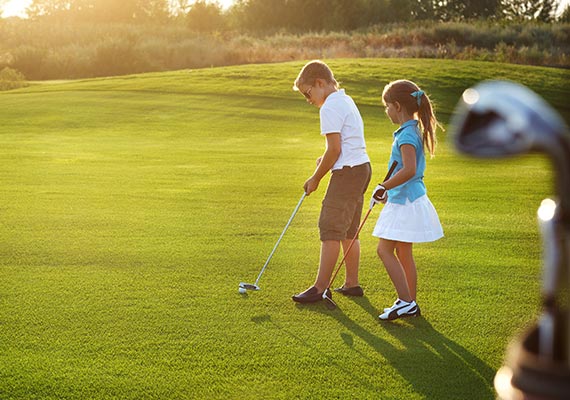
pixel 415 101
pixel 312 71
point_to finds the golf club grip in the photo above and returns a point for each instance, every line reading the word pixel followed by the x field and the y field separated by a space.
pixel 390 171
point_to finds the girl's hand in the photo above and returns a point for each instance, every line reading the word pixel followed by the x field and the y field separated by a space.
pixel 319 160
pixel 380 195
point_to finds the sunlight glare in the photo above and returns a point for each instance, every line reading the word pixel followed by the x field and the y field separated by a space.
pixel 15 8
pixel 546 210
pixel 470 96
pixel 503 382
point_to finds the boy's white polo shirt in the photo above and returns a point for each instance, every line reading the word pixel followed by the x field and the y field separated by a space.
pixel 340 114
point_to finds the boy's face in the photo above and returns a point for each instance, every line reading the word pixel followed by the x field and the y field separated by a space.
pixel 314 94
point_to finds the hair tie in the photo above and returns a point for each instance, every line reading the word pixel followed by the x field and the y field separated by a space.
pixel 418 95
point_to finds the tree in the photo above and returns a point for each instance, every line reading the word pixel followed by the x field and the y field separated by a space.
pixel 548 11
pixel 99 10
pixel 565 16
pixel 542 10
pixel 474 9
pixel 181 7
pixel 347 14
pixel 261 15
pixel 204 16
pixel 378 11
pixel 48 8
pixel 401 10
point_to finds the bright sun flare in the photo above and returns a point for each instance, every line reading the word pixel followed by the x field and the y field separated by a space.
pixel 17 8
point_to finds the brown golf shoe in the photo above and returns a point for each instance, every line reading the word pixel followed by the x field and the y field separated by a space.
pixel 351 291
pixel 311 295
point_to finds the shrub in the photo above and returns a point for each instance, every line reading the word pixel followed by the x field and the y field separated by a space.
pixel 11 79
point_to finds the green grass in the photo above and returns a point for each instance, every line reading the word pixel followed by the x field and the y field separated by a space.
pixel 132 207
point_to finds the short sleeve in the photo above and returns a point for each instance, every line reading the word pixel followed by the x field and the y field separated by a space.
pixel 331 120
pixel 410 136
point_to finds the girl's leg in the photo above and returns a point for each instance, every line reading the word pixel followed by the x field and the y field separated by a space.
pixel 329 255
pixel 394 268
pixel 406 257
pixel 352 261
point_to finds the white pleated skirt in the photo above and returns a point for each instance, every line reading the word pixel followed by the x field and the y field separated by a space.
pixel 415 222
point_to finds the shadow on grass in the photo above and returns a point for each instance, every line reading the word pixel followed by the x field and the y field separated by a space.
pixel 435 366
pixel 371 383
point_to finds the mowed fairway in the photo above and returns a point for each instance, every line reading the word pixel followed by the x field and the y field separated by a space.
pixel 131 208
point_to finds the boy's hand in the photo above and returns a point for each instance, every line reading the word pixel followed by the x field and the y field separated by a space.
pixel 311 185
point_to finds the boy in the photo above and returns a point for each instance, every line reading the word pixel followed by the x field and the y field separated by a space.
pixel 345 155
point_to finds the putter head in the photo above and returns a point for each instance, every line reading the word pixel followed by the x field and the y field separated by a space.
pixel 500 118
pixel 329 302
pixel 248 286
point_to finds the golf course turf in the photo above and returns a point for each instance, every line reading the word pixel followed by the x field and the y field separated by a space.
pixel 131 208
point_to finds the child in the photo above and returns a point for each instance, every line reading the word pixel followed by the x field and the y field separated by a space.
pixel 408 216
pixel 345 155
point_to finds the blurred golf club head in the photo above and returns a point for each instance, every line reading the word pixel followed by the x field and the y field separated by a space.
pixel 496 119
pixel 500 118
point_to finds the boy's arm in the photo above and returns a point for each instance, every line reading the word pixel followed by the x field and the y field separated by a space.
pixel 328 159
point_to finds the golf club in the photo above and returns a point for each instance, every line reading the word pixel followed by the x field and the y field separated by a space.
pixel 500 119
pixel 327 294
pixel 254 286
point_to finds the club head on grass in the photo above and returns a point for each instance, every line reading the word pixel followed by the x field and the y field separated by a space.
pixel 248 286
pixel 329 302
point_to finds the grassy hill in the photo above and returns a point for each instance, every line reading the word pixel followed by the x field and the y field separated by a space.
pixel 132 207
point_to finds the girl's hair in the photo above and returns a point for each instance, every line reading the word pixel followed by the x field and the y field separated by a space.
pixel 312 71
pixel 415 101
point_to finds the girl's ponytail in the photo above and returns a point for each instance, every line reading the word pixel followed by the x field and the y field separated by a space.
pixel 415 100
pixel 428 123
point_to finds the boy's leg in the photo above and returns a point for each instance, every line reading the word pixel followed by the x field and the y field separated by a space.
pixel 329 256
pixel 394 268
pixel 406 257
pixel 352 262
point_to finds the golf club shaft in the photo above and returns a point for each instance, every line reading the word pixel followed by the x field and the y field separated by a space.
pixel 280 237
pixel 350 247
pixel 388 175
pixel 551 261
pixel 566 241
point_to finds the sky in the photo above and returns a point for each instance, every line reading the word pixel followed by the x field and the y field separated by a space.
pixel 18 7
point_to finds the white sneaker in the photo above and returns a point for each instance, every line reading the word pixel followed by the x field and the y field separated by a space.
pixel 389 308
pixel 400 309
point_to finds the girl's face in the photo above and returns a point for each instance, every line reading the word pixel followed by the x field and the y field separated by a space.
pixel 393 112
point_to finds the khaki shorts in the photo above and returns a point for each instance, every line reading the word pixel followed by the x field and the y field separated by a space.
pixel 342 205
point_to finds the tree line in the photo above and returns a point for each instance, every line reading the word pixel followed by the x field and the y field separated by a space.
pixel 293 15
pixel 71 39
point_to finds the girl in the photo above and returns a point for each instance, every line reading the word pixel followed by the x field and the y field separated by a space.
pixel 408 216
